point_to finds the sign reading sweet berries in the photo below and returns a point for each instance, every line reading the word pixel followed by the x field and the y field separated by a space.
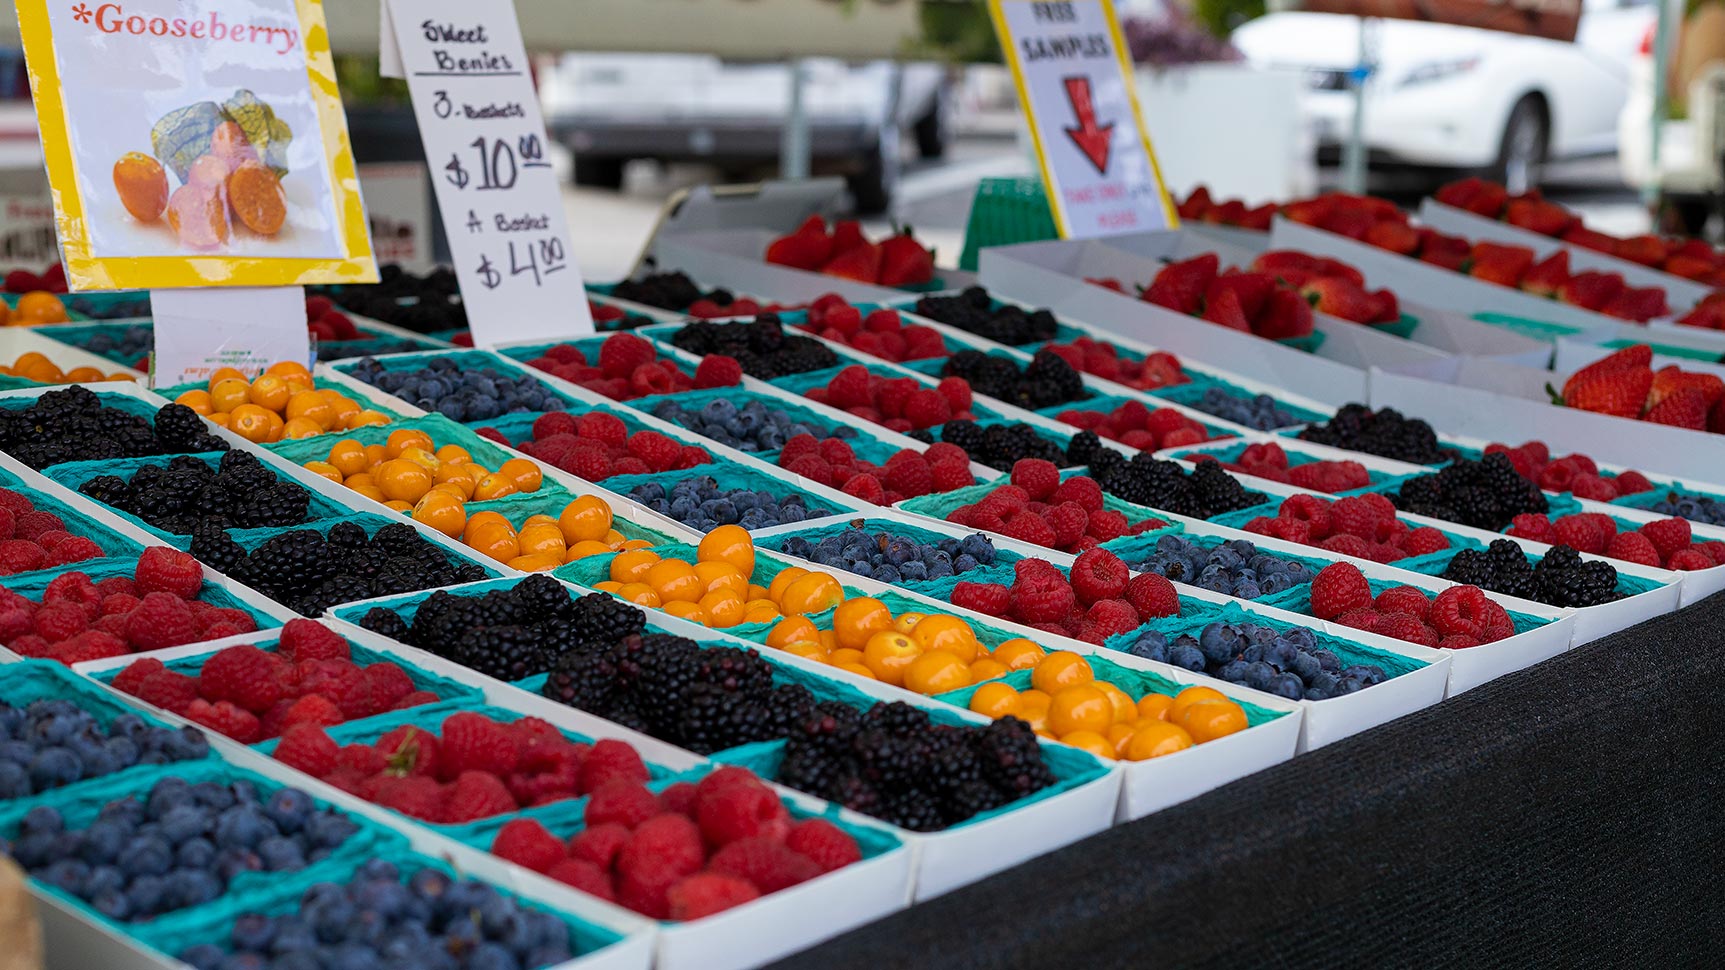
pixel 195 143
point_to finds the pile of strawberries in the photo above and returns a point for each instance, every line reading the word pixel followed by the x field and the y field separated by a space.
pixel 326 323
pixel 1251 302
pixel 1576 474
pixel 1709 313
pixel 1156 369
pixel 1457 618
pixel 475 768
pixel 1136 426
pixel 52 279
pixel 1362 526
pixel 907 474
pixel 691 851
pixel 882 333
pixel 1689 258
pixel 1330 286
pixel 1038 508
pixel 1666 543
pixel 1268 461
pixel 597 445
pixel 34 539
pixel 1199 207
pixel 1625 385
pixel 1337 212
pixel 1100 599
pixel 250 695
pixel 843 251
pixel 629 367
pixel 80 620
pixel 898 403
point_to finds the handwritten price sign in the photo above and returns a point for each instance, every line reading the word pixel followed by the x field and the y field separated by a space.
pixel 479 120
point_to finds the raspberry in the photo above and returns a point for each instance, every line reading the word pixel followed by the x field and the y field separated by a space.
pixel 626 803
pixel 740 810
pixel 31 525
pixel 1634 547
pixel 630 466
pixel 74 549
pixel 1457 641
pixel 942 451
pixel 20 556
pixel 244 675
pixel 599 844
pixel 1404 599
pixel 526 842
pixel 1338 588
pixel 1355 517
pixel 1687 559
pixel 611 761
pixel 1667 535
pixel 387 684
pixel 224 718
pixel 313 709
pixel 168 690
pixel 1406 627
pixel 1631 482
pixel 55 622
pixel 824 843
pixel 161 620
pixel 589 465
pixel 797 447
pixel 414 796
pixel 476 795
pixel 926 408
pixel 1424 541
pixel 1460 610
pixel 765 862
pixel 1081 489
pixel 867 488
pixel 600 426
pixel 311 640
pixel 169 571
pixel 1310 509
pixel 1579 534
pixel 667 844
pixel 309 748
pixel 957 392
pixel 1026 526
pixel 583 875
pixel 1099 575
pixel 553 423
pixel 1498 625
pixel 706 893
pixel 1364 618
pixel 362 758
pixel 991 599
pixel 657 451
pixel 1533 525
pixel 622 353
pixel 474 742
pixel 15 503
pixel 1111 617
pixel 136 672
pixel 850 388
pixel 1068 520
pixel 1106 525
pixel 910 477
pixel 1715 550
pixel 1593 487
pixel 1042 598
pixel 1038 478
pixel 950 475
pixel 1153 595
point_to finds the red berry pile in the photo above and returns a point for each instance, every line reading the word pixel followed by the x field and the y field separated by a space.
pixel 708 308
pixel 476 767
pixel 52 279
pixel 1458 617
pixel 1136 426
pixel 597 445
pixel 327 323
pixel 1576 474
pixel 1100 599
pixel 899 403
pixel 629 367
pixel 250 695
pixel 1267 460
pixel 1666 543
pixel 80 620
pixel 1254 302
pixel 1038 508
pixel 907 474
pixel 1158 369
pixel 1362 526
pixel 882 333
pixel 34 539
pixel 691 851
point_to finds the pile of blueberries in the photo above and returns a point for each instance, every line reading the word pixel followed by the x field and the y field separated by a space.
pixel 428 922
pixel 753 428
pixel 1288 664
pixel 702 505
pixel 892 558
pixel 106 309
pixel 1233 568
pixel 53 743
pixel 1696 508
pixel 349 349
pixel 443 387
pixel 123 346
pixel 1260 413
pixel 177 846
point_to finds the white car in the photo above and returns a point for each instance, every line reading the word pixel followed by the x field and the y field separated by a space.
pixel 1453 97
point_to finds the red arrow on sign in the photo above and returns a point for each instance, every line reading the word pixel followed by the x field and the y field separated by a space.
pixel 1092 139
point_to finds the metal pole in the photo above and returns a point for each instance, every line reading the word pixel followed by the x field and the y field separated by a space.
pixel 1662 33
pixel 1354 152
pixel 794 145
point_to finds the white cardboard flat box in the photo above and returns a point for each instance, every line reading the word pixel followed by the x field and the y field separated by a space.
pixel 1680 293
pixel 735 257
pixel 1251 240
pixel 1698 584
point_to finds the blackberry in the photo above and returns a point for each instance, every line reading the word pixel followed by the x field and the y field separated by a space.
pixel 1560 578
pixel 761 346
pixel 1387 433
pixel 212 546
pixel 1203 493
pixel 423 304
pixel 974 311
pixel 509 652
pixel 1486 494
pixel 239 493
pixel 1000 446
pixel 179 428
pixel 1046 381
pixel 385 623
pixel 668 291
pixel 347 535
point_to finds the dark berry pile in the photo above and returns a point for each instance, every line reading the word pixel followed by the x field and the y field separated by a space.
pixel 1698 508
pixel 1486 494
pixel 893 558
pixel 1561 578
pixel 974 311
pixel 893 762
pixel 702 505
pixel 1233 568
pixel 1386 433
pixel 123 346
pixel 1046 381
pixel 669 291
pixel 761 346
pixel 423 304
pixel 345 350
pixel 240 492
pixel 1260 412
pixel 753 427
pixel 72 424
pixel 998 445
pixel 53 743
pixel 1204 492
pixel 309 572
pixel 461 394
pixel 705 700
pixel 1285 663
pixel 512 633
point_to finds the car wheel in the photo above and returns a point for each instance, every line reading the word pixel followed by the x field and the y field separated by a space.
pixel 600 173
pixel 1521 154
pixel 930 131
pixel 872 188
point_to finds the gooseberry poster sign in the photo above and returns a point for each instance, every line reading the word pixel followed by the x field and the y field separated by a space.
pixel 194 143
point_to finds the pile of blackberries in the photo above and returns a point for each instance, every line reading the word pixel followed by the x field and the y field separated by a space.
pixel 761 346
pixel 1046 381
pixel 511 633
pixel 668 291
pixel 310 572
pixel 1486 494
pixel 998 445
pixel 239 492
pixel 72 424
pixel 703 699
pixel 423 304
pixel 895 763
pixel 974 311
pixel 53 743
pixel 1202 493
pixel 1385 433
pixel 1560 578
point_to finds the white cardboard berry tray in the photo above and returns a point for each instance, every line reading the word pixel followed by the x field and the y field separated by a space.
pixel 735 257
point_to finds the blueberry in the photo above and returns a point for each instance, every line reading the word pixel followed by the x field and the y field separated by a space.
pixel 204 956
pixel 888 575
pixel 490 956
pixel 14 781
pixel 43 819
pixel 1247 590
pixel 1233 671
pixel 198 853
pixel 191 887
pixel 1287 685
pixel 104 879
pixel 1305 666
pixel 281 854
pixel 1219 643
pixel 326 830
pixel 289 808
pixel 1187 656
pixel 241 827
pixel 67 874
pixel 54 767
pixel 1259 675
pixel 1280 654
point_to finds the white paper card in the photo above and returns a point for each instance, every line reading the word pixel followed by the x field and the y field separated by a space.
pixel 485 142
pixel 199 330
pixel 398 206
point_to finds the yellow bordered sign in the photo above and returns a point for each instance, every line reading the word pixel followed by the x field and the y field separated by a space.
pixel 195 143
pixel 1074 78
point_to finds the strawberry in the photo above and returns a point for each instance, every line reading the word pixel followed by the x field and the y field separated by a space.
pixel 810 247
pixel 1476 195
pixel 861 263
pixel 1686 408
pixel 1252 289
pixel 847 235
pixel 1637 303
pixel 1226 310
pixel 1546 277
pixel 1397 237
pixel 1450 252
pixel 1632 356
pixel 1646 250
pixel 1671 379
pixel 1500 264
pixel 1538 215
pixel 904 261
pixel 1340 298
pixel 1290 266
pixel 1580 235
pixel 1196 204
pixel 1590 290
pixel 1181 286
pixel 1286 314
pixel 1618 393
